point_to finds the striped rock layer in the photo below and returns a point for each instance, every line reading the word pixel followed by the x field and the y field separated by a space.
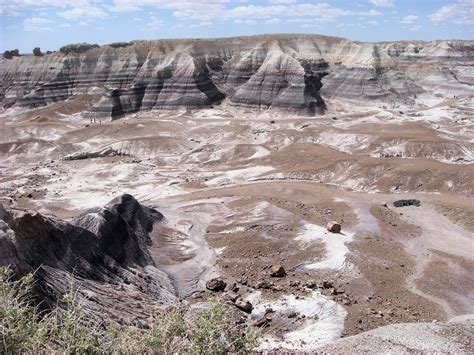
pixel 294 73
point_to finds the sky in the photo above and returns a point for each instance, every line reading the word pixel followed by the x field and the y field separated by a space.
pixel 50 24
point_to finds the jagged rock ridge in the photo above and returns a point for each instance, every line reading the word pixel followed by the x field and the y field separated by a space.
pixel 295 73
pixel 103 253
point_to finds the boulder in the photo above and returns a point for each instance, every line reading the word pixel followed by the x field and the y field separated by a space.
pixel 11 54
pixel 277 271
pixel 410 202
pixel 37 52
pixel 216 285
pixel 333 227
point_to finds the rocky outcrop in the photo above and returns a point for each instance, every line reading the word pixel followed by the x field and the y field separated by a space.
pixel 102 255
pixel 455 337
pixel 10 54
pixel 37 52
pixel 294 73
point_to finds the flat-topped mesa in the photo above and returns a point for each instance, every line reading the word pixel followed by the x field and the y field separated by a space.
pixel 294 73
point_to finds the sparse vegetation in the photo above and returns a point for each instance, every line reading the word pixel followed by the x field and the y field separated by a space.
pixel 120 44
pixel 24 328
pixel 77 48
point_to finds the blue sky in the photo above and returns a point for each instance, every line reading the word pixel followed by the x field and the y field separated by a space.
pixel 50 24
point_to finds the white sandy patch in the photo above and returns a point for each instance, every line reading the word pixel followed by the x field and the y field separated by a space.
pixel 13 183
pixel 260 152
pixel 219 251
pixel 344 142
pixel 323 322
pixel 238 176
pixel 92 183
pixel 233 230
pixel 336 250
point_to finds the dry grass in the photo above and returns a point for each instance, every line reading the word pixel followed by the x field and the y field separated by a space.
pixel 24 328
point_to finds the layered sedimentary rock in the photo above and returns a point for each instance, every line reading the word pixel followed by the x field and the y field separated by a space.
pixel 102 252
pixel 296 73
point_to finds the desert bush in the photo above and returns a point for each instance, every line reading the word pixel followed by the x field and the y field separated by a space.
pixel 77 48
pixel 24 328
pixel 120 44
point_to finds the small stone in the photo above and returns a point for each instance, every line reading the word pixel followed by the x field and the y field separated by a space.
pixel 269 310
pixel 338 291
pixel 262 284
pixel 216 285
pixel 326 285
pixel 277 271
pixel 243 305
pixel 333 227
pixel 311 284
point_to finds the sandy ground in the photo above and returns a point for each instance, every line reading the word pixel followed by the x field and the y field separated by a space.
pixel 242 191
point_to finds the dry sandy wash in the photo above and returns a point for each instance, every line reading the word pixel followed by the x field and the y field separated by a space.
pixel 242 190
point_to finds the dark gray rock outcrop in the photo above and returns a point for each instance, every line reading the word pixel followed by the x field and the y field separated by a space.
pixel 102 255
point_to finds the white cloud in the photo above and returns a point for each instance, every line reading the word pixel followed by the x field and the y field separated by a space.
pixel 70 9
pixel 65 25
pixel 154 23
pixel 87 11
pixel 202 24
pixel 37 24
pixel 372 23
pixel 415 28
pixel 247 22
pixel 220 10
pixel 273 21
pixel 345 25
pixel 460 12
pixel 198 11
pixel 302 20
pixel 382 3
pixel 409 19
pixel 310 25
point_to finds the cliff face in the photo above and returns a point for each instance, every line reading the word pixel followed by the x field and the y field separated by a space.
pixel 295 73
